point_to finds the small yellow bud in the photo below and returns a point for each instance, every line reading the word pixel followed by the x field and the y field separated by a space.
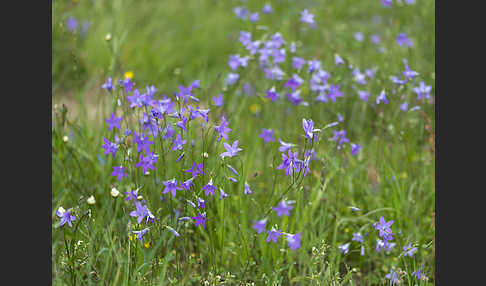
pixel 129 74
pixel 108 37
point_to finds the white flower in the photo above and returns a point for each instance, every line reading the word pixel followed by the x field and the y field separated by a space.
pixel 114 192
pixel 61 210
pixel 91 200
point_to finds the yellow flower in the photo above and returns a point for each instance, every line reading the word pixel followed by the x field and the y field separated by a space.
pixel 129 74
pixel 346 230
pixel 254 108
pixel 132 237
pixel 147 244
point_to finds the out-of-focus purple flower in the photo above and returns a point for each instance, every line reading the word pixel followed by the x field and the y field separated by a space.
pixel 334 92
pixel 392 276
pixel 254 17
pixel 294 240
pixel 108 85
pixel 272 94
pixel 277 40
pixel 222 194
pixel 136 99
pixel 294 97
pixel 119 172
pixel 273 235
pixel 355 209
pixel 259 225
pixel 247 189
pixel 278 55
pixel 241 12
pixel 283 208
pixel 236 61
pixel 386 3
pixel 370 73
pixel 311 154
pixel 363 95
pixel 419 274
pixel 132 195
pixel 358 36
pixel 340 136
pixel 232 78
pixel 231 150
pixel 362 253
pixel 338 60
pixel 396 80
pixel 313 65
pixel 248 89
pixel 66 217
pixel 245 38
pixel 408 73
pixel 404 106
pixel 196 169
pixel 355 149
pixel 409 250
pixel 422 91
pixel 307 17
pixel 297 63
pixel 110 147
pixel 375 39
pixel 147 162
pixel 267 135
pixel 382 98
pixel 403 39
pixel 218 100
pixel 140 233
pixel 209 188
pixel 223 129
pixel 127 85
pixel 284 146
pixel 344 248
pixel 357 237
pixel 267 9
pixel 200 219
pixel 358 76
pixel 294 82
pixel 293 47
pixel 275 73
pixel 72 23
pixel 113 121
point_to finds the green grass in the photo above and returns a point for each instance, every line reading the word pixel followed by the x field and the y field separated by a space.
pixel 169 43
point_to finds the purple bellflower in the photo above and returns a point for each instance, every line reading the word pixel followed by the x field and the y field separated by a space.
pixel 231 150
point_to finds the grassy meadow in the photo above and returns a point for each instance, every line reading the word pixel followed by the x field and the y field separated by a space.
pixel 324 208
